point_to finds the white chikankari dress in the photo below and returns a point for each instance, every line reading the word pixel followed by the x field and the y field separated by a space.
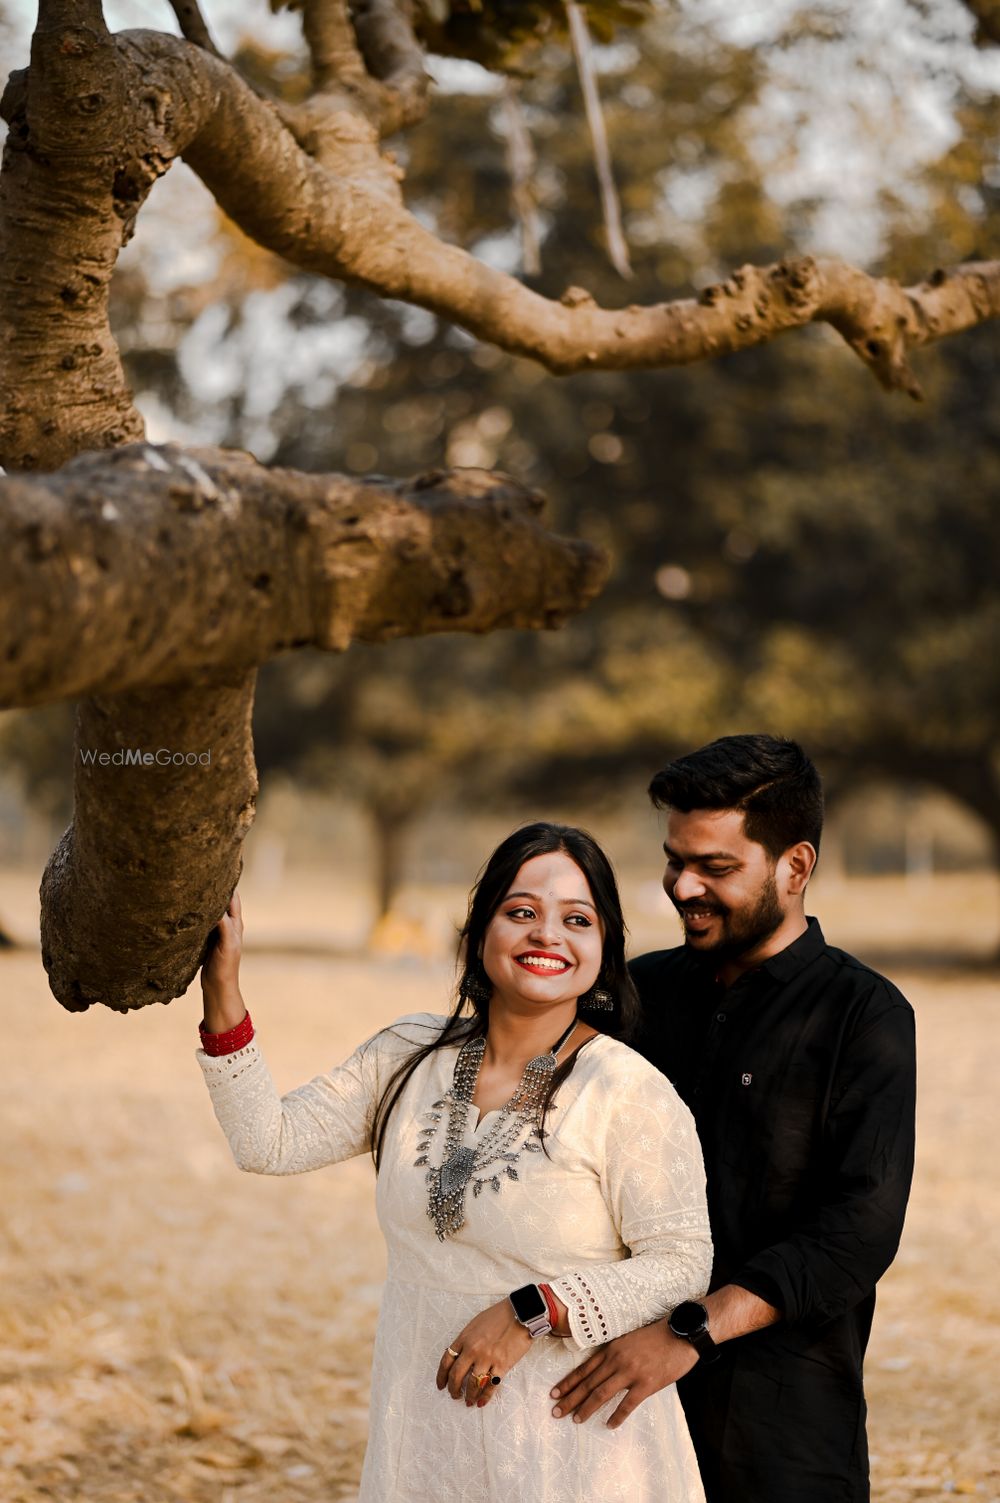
pixel 614 1218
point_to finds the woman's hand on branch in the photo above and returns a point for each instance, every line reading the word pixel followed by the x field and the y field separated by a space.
pixel 489 1346
pixel 220 975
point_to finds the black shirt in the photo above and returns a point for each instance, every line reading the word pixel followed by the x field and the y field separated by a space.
pixel 801 1079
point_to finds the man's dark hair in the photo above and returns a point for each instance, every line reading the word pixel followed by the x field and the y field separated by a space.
pixel 770 780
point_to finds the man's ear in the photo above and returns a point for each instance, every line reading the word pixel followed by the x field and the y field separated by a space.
pixel 800 861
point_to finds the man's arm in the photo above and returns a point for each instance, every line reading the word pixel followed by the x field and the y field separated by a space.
pixel 833 1259
pixel 647 1360
pixel 836 1254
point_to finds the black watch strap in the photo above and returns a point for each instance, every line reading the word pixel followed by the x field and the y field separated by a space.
pixel 690 1322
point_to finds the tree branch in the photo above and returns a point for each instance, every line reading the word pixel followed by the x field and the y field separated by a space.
pixel 393 55
pixel 521 166
pixel 148 566
pixel 153 580
pixel 136 885
pixel 367 69
pixel 285 201
pixel 193 25
pixel 333 46
pixel 987 18
pixel 610 207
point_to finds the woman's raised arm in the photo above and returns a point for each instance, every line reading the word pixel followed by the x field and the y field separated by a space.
pixel 325 1121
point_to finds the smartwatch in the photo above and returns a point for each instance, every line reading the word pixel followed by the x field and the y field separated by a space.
pixel 529 1306
pixel 690 1322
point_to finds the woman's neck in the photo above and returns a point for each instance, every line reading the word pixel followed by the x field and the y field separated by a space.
pixel 514 1036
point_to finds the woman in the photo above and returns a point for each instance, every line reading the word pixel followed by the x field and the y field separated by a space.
pixel 522 1150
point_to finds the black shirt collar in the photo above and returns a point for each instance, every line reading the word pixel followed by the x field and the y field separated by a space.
pixel 780 968
pixel 801 952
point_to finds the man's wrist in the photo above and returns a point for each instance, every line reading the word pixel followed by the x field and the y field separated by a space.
pixel 733 1311
pixel 690 1322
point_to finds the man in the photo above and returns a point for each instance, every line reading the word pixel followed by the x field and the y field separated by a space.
pixel 798 1064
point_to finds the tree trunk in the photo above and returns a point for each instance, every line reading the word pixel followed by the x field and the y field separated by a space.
pixel 390 829
pixel 146 869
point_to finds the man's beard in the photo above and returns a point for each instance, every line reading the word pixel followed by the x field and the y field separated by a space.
pixel 743 928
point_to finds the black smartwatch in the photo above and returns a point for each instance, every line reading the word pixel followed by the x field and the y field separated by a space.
pixel 690 1322
pixel 528 1304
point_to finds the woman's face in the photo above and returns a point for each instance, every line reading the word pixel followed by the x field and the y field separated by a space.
pixel 543 945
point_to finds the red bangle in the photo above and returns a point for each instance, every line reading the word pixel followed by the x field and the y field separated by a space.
pixel 228 1042
pixel 550 1301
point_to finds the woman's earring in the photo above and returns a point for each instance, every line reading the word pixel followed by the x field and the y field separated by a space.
pixel 598 999
pixel 475 986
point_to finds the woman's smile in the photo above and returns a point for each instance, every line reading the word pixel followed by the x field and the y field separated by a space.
pixel 542 964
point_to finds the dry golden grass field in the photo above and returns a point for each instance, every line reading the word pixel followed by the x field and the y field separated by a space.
pixel 173 1330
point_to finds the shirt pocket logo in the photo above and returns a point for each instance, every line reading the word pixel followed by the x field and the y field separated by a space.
pixel 746 1077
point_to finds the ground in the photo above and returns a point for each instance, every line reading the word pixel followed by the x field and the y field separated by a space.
pixel 173 1330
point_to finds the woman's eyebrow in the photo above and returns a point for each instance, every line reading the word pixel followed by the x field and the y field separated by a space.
pixel 573 902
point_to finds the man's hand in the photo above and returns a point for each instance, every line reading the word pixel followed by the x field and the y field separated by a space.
pixel 649 1359
pixel 637 1365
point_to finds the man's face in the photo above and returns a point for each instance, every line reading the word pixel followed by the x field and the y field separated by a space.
pixel 723 885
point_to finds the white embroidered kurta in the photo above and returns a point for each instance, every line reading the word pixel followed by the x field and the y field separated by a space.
pixel 614 1218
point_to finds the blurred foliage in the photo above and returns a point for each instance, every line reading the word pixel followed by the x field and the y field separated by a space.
pixel 503 35
pixel 793 549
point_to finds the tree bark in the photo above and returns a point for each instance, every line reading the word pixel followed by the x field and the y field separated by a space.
pixel 146 869
pixel 147 566
pixel 161 621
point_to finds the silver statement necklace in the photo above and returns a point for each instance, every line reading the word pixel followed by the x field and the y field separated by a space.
pixel 516 1130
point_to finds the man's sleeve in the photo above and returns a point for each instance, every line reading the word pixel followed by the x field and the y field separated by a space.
pixel 645 971
pixel 837 1254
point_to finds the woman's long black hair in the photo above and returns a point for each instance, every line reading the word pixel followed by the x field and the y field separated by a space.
pixel 469 1018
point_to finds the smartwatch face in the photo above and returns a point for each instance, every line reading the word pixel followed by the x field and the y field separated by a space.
pixel 528 1302
pixel 688 1319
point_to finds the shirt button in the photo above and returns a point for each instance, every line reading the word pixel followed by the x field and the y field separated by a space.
pixel 720 1017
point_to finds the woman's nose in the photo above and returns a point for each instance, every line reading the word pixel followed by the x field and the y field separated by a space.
pixel 544 932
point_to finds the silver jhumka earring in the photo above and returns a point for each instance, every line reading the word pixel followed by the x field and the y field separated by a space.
pixel 475 986
pixel 598 999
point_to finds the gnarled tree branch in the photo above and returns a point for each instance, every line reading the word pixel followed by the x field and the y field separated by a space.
pixel 193 25
pixel 151 566
pixel 153 580
pixel 393 55
pixel 284 200
pixel 141 877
